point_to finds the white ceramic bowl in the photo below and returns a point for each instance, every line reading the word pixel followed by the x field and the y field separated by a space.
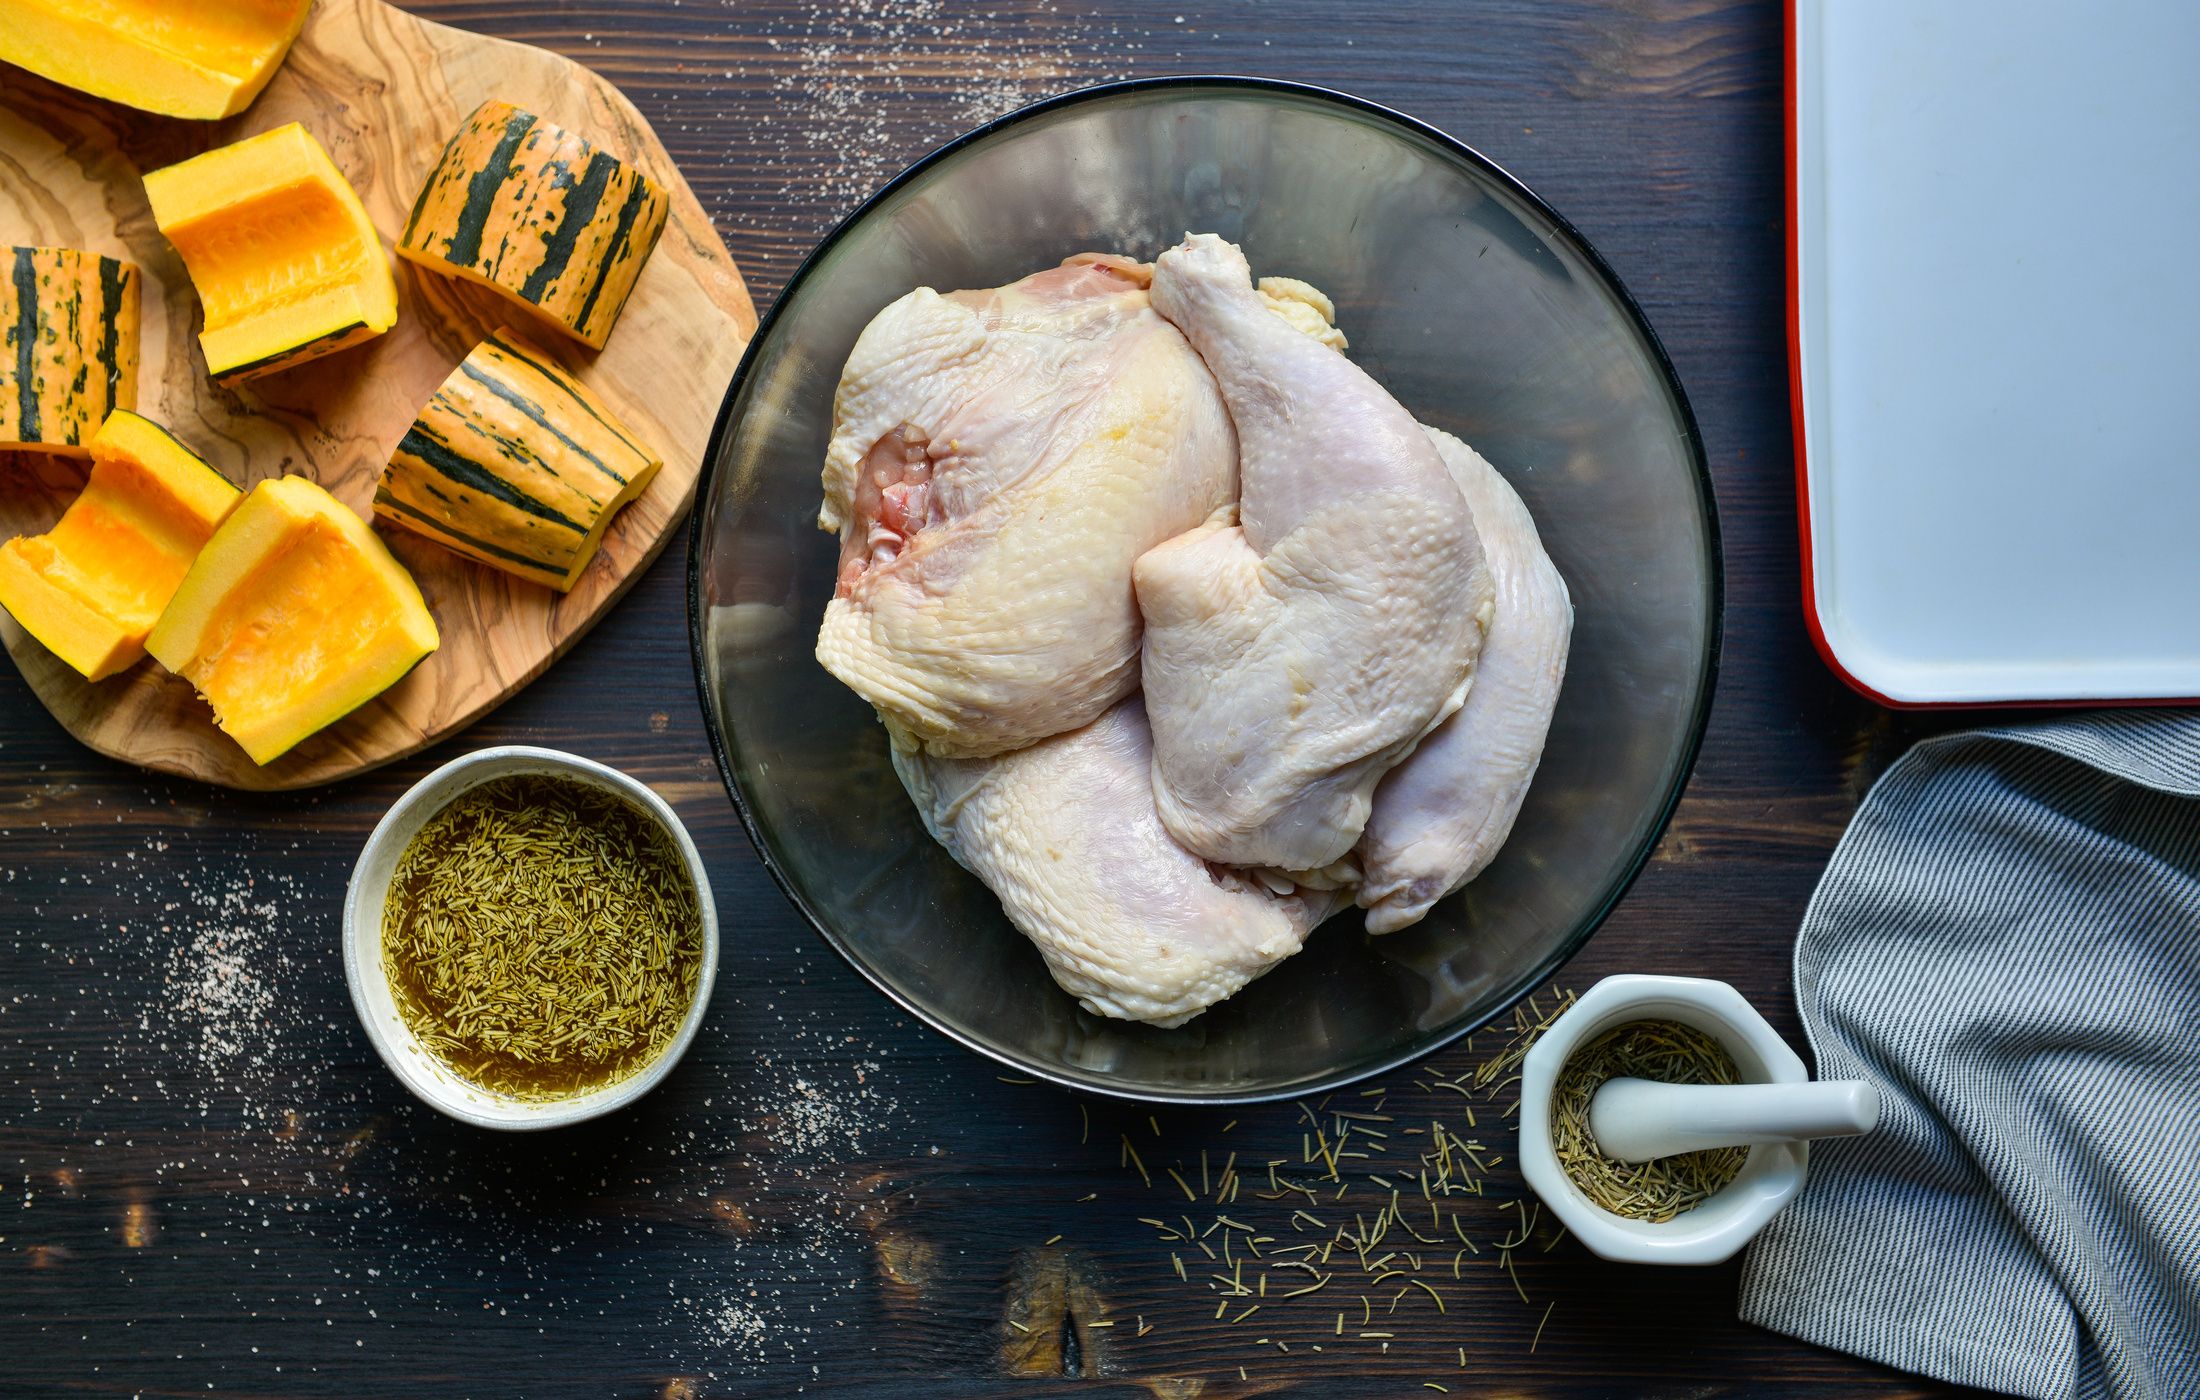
pixel 1716 1229
pixel 418 1069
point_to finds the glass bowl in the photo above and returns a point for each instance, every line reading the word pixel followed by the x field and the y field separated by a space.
pixel 1482 311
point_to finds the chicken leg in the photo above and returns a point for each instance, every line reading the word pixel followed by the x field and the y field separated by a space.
pixel 1441 815
pixel 1292 657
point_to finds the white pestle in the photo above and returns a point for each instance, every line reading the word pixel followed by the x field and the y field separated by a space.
pixel 1640 1120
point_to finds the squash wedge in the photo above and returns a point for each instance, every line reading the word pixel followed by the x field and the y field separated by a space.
pixel 69 352
pixel 293 616
pixel 182 58
pixel 539 214
pixel 92 587
pixel 515 463
pixel 287 264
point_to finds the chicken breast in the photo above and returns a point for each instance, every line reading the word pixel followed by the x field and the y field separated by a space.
pixel 998 460
pixel 1294 656
pixel 1441 815
pixel 1130 923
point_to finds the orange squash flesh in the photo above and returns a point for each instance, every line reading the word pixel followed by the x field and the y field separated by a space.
pixel 293 616
pixel 182 58
pixel 287 264
pixel 92 587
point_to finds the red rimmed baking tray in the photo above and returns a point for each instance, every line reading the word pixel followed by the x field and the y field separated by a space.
pixel 1994 340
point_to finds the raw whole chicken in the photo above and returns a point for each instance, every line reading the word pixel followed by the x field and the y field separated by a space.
pixel 1130 923
pixel 998 460
pixel 1440 816
pixel 1293 656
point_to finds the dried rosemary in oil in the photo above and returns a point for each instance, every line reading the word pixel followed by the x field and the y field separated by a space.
pixel 541 937
pixel 1657 1190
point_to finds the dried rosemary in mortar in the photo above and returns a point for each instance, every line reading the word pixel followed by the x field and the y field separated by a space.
pixel 1660 1189
pixel 541 937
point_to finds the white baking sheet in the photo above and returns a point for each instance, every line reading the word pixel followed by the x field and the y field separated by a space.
pixel 1998 338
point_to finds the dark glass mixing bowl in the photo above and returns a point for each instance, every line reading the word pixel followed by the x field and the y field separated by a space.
pixel 1481 309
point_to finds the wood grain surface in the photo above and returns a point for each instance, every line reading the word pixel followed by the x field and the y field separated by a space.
pixel 382 89
pixel 208 1184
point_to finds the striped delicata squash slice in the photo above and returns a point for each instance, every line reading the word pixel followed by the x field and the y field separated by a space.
pixel 92 587
pixel 293 615
pixel 540 215
pixel 515 463
pixel 71 351
pixel 181 58
pixel 286 262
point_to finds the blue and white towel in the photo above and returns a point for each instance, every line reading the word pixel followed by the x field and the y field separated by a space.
pixel 2007 942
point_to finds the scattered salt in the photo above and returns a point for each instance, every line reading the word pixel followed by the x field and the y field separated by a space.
pixel 221 996
pixel 858 85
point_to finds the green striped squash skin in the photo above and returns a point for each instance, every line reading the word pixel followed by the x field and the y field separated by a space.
pixel 70 352
pixel 342 338
pixel 515 463
pixel 541 215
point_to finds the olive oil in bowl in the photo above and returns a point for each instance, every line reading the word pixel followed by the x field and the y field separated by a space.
pixel 542 937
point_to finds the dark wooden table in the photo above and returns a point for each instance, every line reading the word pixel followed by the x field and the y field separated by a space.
pixel 208 1183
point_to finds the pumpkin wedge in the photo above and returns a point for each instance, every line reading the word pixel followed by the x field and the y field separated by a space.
pixel 540 215
pixel 293 616
pixel 286 262
pixel 515 463
pixel 181 58
pixel 92 587
pixel 69 356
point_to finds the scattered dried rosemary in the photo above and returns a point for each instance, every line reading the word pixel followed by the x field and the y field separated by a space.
pixel 1652 1191
pixel 1364 1235
pixel 541 937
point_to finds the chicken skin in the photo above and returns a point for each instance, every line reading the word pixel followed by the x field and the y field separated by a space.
pixel 1130 923
pixel 999 458
pixel 1294 655
pixel 1440 816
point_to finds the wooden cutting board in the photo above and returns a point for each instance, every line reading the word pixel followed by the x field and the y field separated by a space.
pixel 382 90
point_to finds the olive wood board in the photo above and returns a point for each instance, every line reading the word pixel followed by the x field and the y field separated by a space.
pixel 383 91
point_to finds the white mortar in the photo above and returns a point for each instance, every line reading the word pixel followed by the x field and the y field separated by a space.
pixel 1714 1230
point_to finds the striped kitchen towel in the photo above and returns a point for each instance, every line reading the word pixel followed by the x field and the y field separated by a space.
pixel 2007 943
